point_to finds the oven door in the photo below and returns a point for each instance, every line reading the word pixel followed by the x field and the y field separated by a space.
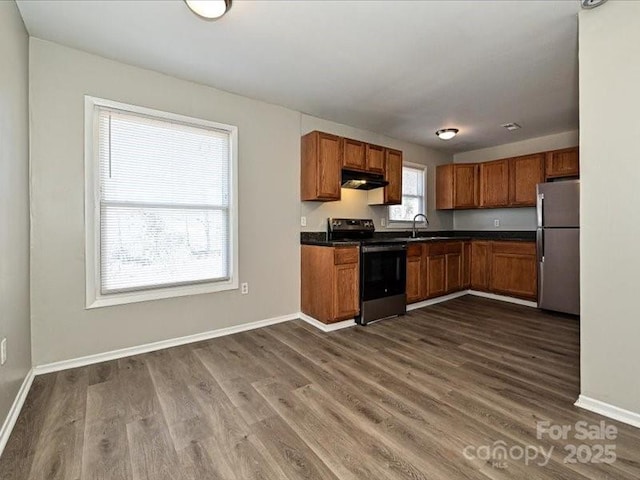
pixel 383 271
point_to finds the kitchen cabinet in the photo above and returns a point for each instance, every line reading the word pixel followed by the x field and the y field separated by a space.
pixel 330 282
pixel 524 174
pixel 436 273
pixel 457 186
pixel 480 265
pixel 416 285
pixel 393 175
pixel 320 172
pixel 375 158
pixel 466 265
pixel 494 184
pixel 562 163
pixel 514 269
pixel 354 156
pixel 453 258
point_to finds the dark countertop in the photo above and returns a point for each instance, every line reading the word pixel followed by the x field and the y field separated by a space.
pixel 320 238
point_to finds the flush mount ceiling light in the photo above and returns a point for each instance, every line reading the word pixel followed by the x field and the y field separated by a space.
pixel 591 3
pixel 447 133
pixel 511 126
pixel 209 9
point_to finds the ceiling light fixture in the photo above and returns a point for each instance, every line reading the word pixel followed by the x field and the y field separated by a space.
pixel 511 126
pixel 209 9
pixel 447 133
pixel 591 3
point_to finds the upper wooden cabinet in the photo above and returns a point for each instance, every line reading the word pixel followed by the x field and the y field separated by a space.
pixel 354 156
pixel 393 175
pixel 320 172
pixel 324 156
pixel 375 158
pixel 509 182
pixel 524 174
pixel 457 186
pixel 494 183
pixel 562 163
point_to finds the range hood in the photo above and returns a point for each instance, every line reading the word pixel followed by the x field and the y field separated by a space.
pixel 362 180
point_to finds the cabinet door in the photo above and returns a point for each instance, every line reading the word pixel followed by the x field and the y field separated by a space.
pixel 346 289
pixel 353 154
pixel 465 186
pixel 328 166
pixel 454 272
pixel 494 183
pixel 375 158
pixel 414 279
pixel 514 269
pixel 444 187
pixel 393 175
pixel 466 265
pixel 563 163
pixel 524 174
pixel 436 269
pixel 480 265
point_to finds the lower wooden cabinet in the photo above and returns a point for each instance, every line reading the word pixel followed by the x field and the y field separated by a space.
pixel 435 269
pixel 330 282
pixel 514 269
pixel 480 265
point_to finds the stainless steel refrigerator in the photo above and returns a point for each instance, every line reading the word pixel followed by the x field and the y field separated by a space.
pixel 558 240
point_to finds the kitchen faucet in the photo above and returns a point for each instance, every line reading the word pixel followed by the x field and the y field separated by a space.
pixel 413 230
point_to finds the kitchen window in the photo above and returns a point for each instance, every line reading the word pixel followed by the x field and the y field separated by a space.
pixel 413 194
pixel 161 204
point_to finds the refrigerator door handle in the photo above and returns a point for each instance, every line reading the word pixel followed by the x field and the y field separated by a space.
pixel 540 244
pixel 539 208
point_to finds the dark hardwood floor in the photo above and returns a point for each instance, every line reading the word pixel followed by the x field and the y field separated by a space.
pixel 398 399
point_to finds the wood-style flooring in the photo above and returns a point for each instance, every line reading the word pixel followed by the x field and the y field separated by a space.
pixel 398 399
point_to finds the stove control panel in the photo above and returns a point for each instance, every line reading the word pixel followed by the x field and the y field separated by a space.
pixel 351 224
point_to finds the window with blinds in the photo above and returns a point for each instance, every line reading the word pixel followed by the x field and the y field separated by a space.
pixel 413 195
pixel 163 206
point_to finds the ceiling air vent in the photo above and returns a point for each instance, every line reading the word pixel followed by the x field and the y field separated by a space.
pixel 511 126
pixel 591 3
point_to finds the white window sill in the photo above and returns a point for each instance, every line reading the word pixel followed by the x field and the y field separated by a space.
pixel 96 300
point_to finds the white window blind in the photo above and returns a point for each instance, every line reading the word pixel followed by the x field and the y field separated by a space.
pixel 164 202
pixel 413 195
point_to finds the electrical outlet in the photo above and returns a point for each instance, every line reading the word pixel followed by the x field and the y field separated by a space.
pixel 303 221
pixel 496 223
pixel 3 351
pixel 383 222
pixel 244 288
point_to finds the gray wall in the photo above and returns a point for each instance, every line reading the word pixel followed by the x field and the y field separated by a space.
pixel 354 203
pixel 269 145
pixel 510 218
pixel 610 180
pixel 14 203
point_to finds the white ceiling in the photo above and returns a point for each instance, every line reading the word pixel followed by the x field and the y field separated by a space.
pixel 402 68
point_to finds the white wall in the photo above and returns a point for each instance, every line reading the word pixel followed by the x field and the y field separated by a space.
pixel 510 218
pixel 14 203
pixel 269 158
pixel 353 203
pixel 610 182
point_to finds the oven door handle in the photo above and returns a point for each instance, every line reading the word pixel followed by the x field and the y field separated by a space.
pixel 384 248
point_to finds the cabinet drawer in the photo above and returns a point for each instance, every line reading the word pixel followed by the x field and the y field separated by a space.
pixel 414 250
pixel 436 248
pixel 514 248
pixel 343 256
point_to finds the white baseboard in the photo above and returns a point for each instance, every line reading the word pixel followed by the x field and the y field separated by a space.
pixel 14 411
pixel 503 298
pixel 150 347
pixel 326 327
pixel 433 301
pixel 608 410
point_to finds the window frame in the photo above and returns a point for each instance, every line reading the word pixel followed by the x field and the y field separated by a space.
pixel 403 224
pixel 94 297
